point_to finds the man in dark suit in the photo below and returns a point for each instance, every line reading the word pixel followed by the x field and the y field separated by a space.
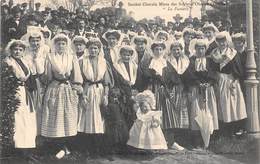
pixel 178 25
pixel 24 8
pixel 169 27
pixel 44 18
pixel 37 7
pixel 120 12
pixel 81 28
pixel 12 26
pixel 55 21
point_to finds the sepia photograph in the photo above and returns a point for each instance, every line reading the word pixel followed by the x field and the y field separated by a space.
pixel 130 82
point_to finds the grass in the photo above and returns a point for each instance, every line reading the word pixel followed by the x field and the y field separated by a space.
pixel 234 145
pixel 242 149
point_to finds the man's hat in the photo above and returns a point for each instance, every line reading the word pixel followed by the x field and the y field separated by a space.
pixel 24 4
pixel 120 3
pixel 47 9
pixel 38 4
pixel 54 12
pixel 177 16
pixel 170 23
pixel 188 20
pixel 15 10
pixel 144 25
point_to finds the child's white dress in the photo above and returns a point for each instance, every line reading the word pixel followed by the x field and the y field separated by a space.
pixel 143 136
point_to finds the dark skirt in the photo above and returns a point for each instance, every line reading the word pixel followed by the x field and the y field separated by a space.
pixel 173 104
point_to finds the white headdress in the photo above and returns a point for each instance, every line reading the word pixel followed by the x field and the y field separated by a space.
pixel 61 36
pixel 210 26
pixel 187 30
pixel 177 43
pixel 199 33
pixel 142 38
pixel 195 42
pixel 146 96
pixel 112 32
pixel 182 64
pixel 33 31
pixel 78 38
pixel 130 48
pixel 239 35
pixel 96 40
pixel 62 65
pixel 225 35
pixel 11 43
pixel 120 66
pixel 162 33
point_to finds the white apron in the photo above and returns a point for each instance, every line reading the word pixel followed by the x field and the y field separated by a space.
pixel 90 119
pixel 25 130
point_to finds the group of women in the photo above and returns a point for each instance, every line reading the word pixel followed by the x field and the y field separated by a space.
pixel 83 88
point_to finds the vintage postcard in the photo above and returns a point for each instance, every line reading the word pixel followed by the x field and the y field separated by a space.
pixel 130 81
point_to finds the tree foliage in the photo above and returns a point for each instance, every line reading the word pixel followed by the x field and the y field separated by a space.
pixel 72 5
pixel 9 103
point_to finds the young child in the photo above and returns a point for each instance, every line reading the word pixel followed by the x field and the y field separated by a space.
pixel 146 132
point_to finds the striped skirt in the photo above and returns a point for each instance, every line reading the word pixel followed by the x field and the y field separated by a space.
pixel 60 111
pixel 173 104
pixel 37 96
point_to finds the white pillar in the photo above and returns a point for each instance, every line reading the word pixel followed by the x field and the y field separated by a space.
pixel 258 63
pixel 251 82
